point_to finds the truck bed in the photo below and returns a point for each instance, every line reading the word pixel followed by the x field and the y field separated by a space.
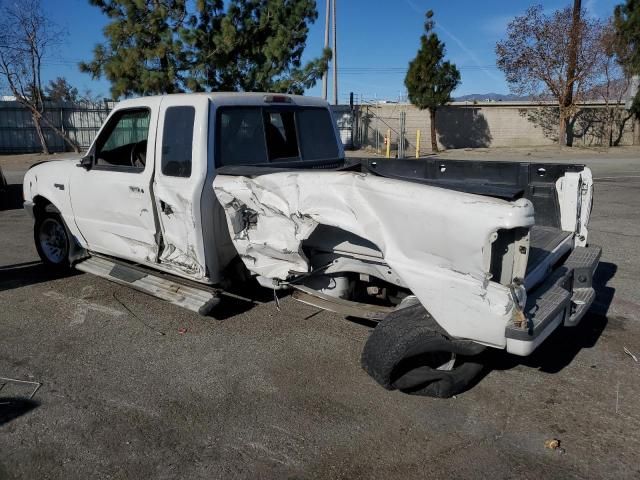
pixel 508 180
pixel 543 241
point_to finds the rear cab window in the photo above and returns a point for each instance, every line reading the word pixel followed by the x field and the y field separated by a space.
pixel 274 135
pixel 177 141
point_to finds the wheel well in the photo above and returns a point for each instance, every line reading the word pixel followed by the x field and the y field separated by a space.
pixel 42 205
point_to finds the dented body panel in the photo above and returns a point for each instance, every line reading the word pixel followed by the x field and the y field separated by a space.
pixel 440 260
pixel 177 198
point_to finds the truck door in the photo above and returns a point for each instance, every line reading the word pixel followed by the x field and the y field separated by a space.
pixel 111 200
pixel 181 170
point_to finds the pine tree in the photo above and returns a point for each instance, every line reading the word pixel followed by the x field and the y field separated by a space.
pixel 155 46
pixel 60 90
pixel 200 38
pixel 430 80
pixel 256 45
pixel 143 53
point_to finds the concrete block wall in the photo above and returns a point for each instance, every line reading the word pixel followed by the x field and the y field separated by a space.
pixel 468 125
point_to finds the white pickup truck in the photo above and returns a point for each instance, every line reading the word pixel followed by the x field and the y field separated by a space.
pixel 181 196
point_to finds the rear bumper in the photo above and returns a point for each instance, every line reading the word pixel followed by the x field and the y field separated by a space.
pixel 563 299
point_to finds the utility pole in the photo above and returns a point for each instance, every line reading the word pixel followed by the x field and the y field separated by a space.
pixel 325 75
pixel 335 57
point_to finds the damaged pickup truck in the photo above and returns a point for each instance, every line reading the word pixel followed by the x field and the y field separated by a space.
pixel 181 196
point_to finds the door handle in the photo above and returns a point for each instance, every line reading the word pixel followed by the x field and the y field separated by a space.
pixel 134 189
pixel 59 186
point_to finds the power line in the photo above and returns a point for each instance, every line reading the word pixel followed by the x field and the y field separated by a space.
pixel 377 70
pixel 404 69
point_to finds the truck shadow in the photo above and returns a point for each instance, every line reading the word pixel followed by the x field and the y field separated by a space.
pixel 604 293
pixel 557 351
pixel 29 273
pixel 562 346
pixel 12 408
pixel 242 298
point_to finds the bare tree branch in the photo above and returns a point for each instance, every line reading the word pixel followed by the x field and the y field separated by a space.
pixel 552 56
pixel 26 38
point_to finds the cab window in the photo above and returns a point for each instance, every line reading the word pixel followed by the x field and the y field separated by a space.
pixel 282 143
pixel 123 146
pixel 241 136
pixel 258 135
pixel 177 141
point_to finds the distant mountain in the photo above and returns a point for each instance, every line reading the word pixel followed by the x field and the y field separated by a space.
pixel 490 97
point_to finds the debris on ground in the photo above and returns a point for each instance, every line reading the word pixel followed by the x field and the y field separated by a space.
pixel 553 444
pixel 36 385
pixel 150 327
pixel 628 352
pixel 182 330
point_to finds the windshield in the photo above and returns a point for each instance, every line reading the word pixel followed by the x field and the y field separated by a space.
pixel 258 135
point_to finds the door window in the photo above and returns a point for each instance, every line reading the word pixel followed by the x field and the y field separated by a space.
pixel 123 146
pixel 177 141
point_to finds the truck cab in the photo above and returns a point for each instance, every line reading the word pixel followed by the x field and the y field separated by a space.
pixel 143 192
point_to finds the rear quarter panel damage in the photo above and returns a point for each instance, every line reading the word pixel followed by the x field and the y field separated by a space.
pixel 432 238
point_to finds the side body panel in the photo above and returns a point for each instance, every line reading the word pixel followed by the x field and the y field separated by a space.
pixel 433 239
pixel 219 249
pixel 50 181
pixel 113 209
pixel 177 198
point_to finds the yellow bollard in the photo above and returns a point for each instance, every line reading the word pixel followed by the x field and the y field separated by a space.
pixel 388 153
pixel 418 143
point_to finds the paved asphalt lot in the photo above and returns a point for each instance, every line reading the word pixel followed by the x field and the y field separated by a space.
pixel 133 387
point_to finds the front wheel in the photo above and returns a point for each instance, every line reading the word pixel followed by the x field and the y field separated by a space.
pixel 52 240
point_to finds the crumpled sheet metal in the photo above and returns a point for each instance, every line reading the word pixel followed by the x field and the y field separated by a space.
pixel 430 237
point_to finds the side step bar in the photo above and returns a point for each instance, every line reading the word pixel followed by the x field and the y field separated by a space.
pixel 194 299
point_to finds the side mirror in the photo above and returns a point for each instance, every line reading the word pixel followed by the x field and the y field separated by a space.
pixel 86 162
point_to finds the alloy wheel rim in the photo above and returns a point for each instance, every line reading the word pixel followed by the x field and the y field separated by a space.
pixel 53 240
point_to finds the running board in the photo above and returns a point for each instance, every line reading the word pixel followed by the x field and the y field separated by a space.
pixel 348 308
pixel 194 299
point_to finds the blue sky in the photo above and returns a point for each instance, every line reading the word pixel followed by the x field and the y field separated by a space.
pixel 376 40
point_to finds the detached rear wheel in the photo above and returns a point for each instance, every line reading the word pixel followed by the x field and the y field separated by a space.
pixel 52 240
pixel 408 351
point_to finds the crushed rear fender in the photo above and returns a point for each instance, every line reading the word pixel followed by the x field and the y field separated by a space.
pixel 433 239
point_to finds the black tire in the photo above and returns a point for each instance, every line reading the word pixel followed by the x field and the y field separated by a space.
pixel 45 223
pixel 405 349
